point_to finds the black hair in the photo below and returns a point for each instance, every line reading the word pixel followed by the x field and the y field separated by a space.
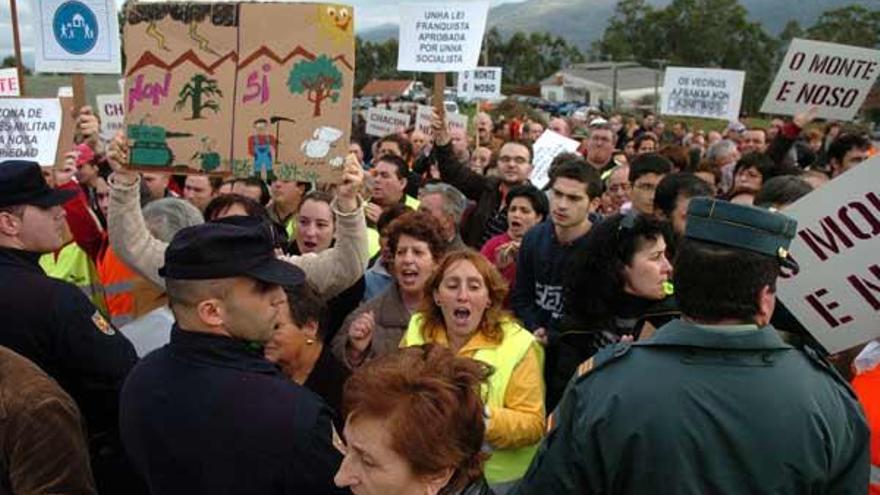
pixel 648 163
pixel 674 186
pixel 844 144
pixel 594 283
pixel 537 198
pixel 256 182
pixel 525 143
pixel 760 161
pixel 782 190
pixel 402 170
pixel 579 170
pixel 389 215
pixel 715 283
pixel 223 202
pixel 305 305
pixel 403 144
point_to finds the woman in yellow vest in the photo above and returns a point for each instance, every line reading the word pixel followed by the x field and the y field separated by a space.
pixel 463 310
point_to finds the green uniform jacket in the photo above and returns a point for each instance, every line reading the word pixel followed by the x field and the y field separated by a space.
pixel 701 410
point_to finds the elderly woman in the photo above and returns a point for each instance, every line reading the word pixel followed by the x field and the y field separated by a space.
pixel 376 327
pixel 388 448
pixel 463 310
pixel 618 287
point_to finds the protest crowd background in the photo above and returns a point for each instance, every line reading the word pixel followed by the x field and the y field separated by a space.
pixel 501 295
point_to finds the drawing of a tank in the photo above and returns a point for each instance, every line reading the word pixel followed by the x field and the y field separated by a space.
pixel 150 148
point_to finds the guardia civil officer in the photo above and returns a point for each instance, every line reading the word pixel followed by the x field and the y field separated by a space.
pixel 52 323
pixel 714 402
pixel 207 413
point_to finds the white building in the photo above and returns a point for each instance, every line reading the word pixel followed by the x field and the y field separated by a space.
pixel 592 84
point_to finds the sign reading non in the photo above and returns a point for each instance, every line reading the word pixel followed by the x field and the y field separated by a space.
pixel 77 36
pixel 111 110
pixel 835 294
pixel 546 148
pixel 706 93
pixel 481 83
pixel 381 122
pixel 833 78
pixel 29 129
pixel 443 37
pixel 9 82
pixel 424 114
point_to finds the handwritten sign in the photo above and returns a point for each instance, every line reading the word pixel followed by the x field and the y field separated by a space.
pixel 111 111
pixel 482 83
pixel 29 129
pixel 833 78
pixel 453 120
pixel 9 82
pixel 442 37
pixel 382 122
pixel 77 36
pixel 836 292
pixel 548 146
pixel 706 93
pixel 216 94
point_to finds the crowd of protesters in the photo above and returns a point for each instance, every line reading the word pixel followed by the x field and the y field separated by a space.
pixel 411 329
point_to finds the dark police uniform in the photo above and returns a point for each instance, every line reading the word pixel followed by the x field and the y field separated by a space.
pixel 52 323
pixel 706 409
pixel 208 414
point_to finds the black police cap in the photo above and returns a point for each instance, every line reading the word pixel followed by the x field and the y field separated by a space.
pixel 22 183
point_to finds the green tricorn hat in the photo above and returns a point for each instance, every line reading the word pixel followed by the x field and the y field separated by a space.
pixel 741 227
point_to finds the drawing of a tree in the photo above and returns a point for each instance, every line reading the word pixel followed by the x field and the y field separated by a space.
pixel 319 79
pixel 198 91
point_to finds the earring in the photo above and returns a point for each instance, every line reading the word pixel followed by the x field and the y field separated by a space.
pixel 310 341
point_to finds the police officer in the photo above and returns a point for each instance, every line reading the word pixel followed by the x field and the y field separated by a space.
pixel 208 413
pixel 51 322
pixel 714 402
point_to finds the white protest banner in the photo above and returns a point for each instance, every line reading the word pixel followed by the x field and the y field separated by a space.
pixel 453 120
pixel 443 37
pixel 111 111
pixel 706 93
pixel 835 294
pixel 9 82
pixel 833 78
pixel 382 122
pixel 546 148
pixel 481 83
pixel 77 36
pixel 29 129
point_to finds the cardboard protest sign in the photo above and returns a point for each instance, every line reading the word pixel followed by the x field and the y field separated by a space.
pixel 77 36
pixel 453 120
pixel 382 122
pixel 111 111
pixel 243 88
pixel 833 78
pixel 9 82
pixel 30 129
pixel 706 93
pixel 835 294
pixel 481 83
pixel 546 148
pixel 443 37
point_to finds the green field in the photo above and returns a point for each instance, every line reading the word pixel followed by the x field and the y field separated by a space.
pixel 43 85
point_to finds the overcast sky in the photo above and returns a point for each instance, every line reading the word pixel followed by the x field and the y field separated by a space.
pixel 368 14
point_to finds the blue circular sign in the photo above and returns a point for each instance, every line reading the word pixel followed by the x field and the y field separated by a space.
pixel 75 27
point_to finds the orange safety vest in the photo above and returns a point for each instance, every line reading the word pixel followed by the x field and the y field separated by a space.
pixel 118 281
pixel 867 387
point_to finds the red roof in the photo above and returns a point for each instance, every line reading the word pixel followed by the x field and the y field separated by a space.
pixel 389 89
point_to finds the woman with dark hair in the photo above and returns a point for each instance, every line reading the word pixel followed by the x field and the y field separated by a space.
pixel 748 176
pixel 618 286
pixel 375 328
pixel 388 447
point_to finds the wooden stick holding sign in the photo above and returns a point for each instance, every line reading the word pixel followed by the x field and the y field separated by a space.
pixel 16 42
pixel 439 89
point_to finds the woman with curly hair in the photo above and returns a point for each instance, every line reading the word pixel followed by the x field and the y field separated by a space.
pixel 388 447
pixel 462 309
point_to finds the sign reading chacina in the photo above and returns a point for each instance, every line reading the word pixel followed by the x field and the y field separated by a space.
pixel 381 122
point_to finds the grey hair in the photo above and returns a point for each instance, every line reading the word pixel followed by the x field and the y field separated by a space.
pixel 164 217
pixel 454 201
pixel 719 149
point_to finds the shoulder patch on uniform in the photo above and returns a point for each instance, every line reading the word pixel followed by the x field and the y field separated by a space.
pixel 103 325
pixel 601 358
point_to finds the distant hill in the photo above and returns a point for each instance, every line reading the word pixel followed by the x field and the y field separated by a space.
pixel 584 21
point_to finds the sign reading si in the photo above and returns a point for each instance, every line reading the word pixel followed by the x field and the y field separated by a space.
pixel 833 78
pixel 441 37
pixel 836 292
pixel 77 36
pixel 382 122
pixel 482 83
pixel 9 82
pixel 706 93
pixel 29 129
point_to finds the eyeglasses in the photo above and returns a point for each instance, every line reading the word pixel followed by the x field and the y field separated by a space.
pixel 515 159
